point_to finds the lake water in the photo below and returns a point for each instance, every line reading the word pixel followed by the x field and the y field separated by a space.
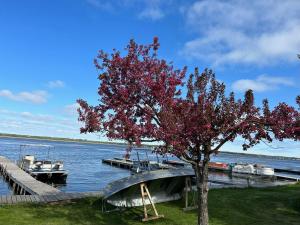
pixel 86 171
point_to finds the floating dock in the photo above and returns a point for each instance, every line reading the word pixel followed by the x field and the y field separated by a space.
pixel 287 170
pixel 121 163
pixel 288 176
pixel 128 164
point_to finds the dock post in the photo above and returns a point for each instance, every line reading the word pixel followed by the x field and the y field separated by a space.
pixel 14 187
pixel 19 190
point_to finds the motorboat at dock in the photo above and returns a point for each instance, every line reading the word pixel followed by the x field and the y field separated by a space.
pixel 253 169
pixel 42 169
pixel 219 166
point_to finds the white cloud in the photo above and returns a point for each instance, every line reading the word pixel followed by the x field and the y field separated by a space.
pixel 37 117
pixel 26 114
pixel 250 32
pixel 71 109
pixel 56 84
pixel 152 13
pixel 144 9
pixel 30 123
pixel 261 83
pixel 36 97
pixel 104 5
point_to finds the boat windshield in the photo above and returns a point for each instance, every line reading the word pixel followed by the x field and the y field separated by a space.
pixel 41 152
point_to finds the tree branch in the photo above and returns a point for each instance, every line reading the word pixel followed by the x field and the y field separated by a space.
pixel 215 150
pixel 153 117
pixel 187 160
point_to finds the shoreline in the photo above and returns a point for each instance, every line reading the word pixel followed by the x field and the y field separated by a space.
pixel 261 155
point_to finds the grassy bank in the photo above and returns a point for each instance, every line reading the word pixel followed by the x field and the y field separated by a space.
pixel 269 206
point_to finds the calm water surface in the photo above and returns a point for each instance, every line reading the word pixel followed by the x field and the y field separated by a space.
pixel 87 173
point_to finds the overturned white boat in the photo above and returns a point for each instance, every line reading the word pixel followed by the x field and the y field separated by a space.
pixel 164 185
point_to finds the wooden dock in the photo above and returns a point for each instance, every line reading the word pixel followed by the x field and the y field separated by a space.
pixel 128 164
pixel 121 163
pixel 287 170
pixel 13 199
pixel 288 176
pixel 21 182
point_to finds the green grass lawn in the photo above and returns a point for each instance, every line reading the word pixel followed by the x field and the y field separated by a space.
pixel 268 206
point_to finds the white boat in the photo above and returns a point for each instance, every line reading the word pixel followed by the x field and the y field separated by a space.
pixel 253 169
pixel 44 170
pixel 243 168
pixel 265 171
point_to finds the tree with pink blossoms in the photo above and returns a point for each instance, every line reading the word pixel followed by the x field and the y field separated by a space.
pixel 140 101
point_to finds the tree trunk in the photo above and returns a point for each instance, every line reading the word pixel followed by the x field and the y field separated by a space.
pixel 201 172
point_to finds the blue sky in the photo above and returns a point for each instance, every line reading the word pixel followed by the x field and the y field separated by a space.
pixel 47 50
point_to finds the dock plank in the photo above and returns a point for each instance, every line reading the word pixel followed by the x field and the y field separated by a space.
pixel 13 199
pixel 32 198
pixel 8 199
pixel 23 198
pixel 19 199
pixel 3 199
pixel 28 198
pixel 42 199
pixel 51 198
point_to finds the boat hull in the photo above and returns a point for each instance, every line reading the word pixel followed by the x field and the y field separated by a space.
pixel 163 185
pixel 53 177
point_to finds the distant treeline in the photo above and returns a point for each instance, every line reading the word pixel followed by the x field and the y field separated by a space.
pixel 62 139
pixel 260 155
